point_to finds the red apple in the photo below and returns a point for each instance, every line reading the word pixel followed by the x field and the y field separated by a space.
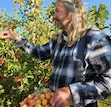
pixel 17 56
pixel 1 61
pixel 3 80
pixel 2 75
pixel 47 95
pixel 24 102
pixel 31 102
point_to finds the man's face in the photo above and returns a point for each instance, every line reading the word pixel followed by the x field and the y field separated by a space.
pixel 61 16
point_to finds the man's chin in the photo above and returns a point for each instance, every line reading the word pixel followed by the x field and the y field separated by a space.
pixel 59 26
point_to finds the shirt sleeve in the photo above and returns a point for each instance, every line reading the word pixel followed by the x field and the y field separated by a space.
pixel 97 83
pixel 40 52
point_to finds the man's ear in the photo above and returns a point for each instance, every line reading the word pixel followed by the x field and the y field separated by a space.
pixel 70 15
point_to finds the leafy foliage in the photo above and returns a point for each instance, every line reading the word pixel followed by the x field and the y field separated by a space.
pixel 98 17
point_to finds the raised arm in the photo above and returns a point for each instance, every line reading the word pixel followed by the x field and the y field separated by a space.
pixel 8 35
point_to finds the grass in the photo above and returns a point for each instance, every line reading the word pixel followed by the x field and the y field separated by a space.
pixel 105 103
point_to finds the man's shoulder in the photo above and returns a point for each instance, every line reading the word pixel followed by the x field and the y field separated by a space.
pixel 95 33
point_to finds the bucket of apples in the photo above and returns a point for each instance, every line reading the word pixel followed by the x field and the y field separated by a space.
pixel 38 99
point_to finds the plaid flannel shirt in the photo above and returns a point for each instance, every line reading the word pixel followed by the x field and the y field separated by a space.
pixel 87 84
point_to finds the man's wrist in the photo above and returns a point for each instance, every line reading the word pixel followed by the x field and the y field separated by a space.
pixel 16 38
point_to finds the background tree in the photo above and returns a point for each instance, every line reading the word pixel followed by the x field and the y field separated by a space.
pixel 98 17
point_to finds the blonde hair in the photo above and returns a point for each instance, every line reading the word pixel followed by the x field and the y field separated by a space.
pixel 78 21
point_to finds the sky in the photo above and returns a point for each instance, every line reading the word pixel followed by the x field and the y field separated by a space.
pixel 91 3
pixel 8 5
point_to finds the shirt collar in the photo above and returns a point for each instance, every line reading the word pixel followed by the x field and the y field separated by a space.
pixel 64 35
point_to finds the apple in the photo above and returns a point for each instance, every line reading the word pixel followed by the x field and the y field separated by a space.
pixel 17 79
pixel 42 96
pixel 31 102
pixel 24 105
pixel 1 61
pixel 38 105
pixel 3 80
pixel 48 94
pixel 17 56
pixel 24 102
pixel 38 101
pixel 2 75
pixel 44 102
pixel 29 96
pixel 1 24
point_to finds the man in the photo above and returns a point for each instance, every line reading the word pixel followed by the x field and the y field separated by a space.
pixel 76 82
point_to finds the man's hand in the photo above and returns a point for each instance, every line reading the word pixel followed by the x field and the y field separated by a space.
pixel 8 35
pixel 62 97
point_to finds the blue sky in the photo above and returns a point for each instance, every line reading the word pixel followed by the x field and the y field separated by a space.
pixel 91 3
pixel 7 4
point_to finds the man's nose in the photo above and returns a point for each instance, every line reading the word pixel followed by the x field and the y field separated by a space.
pixel 54 16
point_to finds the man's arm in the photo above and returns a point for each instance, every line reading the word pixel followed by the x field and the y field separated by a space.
pixel 97 84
